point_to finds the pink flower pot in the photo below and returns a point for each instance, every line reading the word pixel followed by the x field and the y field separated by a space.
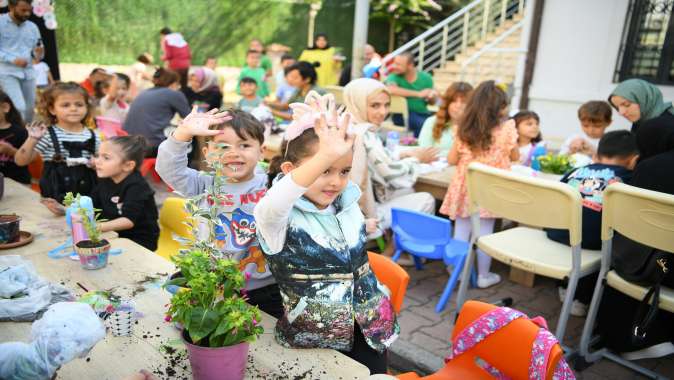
pixel 218 363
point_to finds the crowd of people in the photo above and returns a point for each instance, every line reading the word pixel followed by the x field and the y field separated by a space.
pixel 332 186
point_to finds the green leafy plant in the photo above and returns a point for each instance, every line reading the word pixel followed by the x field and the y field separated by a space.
pixel 210 302
pixel 555 164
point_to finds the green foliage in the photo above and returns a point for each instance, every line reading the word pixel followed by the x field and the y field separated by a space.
pixel 555 164
pixel 89 222
pixel 210 303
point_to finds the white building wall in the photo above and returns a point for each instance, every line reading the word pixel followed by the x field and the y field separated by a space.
pixel 577 54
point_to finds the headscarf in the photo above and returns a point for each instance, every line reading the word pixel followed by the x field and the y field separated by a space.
pixel 646 95
pixel 355 97
pixel 207 78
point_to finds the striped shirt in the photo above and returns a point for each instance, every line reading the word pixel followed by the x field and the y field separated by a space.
pixel 46 147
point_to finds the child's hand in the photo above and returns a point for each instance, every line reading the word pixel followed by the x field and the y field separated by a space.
pixel 53 206
pixel 36 130
pixel 333 139
pixel 197 124
pixel 371 225
pixel 576 145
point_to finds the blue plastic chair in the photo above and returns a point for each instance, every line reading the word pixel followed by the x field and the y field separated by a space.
pixel 429 236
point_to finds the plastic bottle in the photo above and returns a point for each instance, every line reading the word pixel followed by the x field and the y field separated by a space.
pixel 392 141
pixel 539 151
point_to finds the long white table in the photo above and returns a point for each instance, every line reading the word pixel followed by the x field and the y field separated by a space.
pixel 137 274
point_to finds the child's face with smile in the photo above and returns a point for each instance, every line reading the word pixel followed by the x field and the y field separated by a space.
pixel 331 183
pixel 238 156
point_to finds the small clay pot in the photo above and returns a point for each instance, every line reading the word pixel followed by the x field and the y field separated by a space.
pixel 9 228
pixel 93 256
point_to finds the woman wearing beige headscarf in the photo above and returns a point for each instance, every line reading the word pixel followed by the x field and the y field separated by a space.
pixel 385 181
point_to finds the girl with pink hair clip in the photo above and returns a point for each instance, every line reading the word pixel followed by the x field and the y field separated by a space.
pixel 312 232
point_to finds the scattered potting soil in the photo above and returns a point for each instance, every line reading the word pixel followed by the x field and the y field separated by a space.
pixel 175 365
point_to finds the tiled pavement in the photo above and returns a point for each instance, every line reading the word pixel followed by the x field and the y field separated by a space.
pixel 425 334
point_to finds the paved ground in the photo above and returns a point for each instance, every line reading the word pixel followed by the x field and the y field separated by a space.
pixel 425 334
pixel 423 343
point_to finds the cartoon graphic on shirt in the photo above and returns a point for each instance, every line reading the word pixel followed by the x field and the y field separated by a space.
pixel 255 256
pixel 240 229
pixel 591 184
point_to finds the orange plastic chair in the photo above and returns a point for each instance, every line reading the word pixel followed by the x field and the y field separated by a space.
pixel 508 350
pixel 35 169
pixel 389 273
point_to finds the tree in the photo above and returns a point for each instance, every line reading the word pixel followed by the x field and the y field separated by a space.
pixel 403 13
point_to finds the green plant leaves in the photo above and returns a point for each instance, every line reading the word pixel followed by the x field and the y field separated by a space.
pixel 202 323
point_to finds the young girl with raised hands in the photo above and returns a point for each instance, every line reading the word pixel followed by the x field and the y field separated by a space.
pixel 484 135
pixel 66 145
pixel 313 235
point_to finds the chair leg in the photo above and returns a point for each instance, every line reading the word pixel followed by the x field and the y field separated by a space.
pixel 473 278
pixel 451 282
pixel 566 307
pixel 417 262
pixel 469 258
pixel 586 337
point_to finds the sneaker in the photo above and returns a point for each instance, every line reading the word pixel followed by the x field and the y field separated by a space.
pixel 562 293
pixel 578 309
pixel 487 280
pixel 656 351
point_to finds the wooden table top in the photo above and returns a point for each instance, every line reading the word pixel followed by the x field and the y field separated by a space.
pixel 138 273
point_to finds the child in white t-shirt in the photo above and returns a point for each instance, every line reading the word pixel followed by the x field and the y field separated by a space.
pixel 43 76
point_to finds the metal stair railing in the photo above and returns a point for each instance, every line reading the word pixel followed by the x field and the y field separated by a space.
pixel 455 34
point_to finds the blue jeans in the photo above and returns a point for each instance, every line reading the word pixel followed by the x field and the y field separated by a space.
pixel 414 123
pixel 22 93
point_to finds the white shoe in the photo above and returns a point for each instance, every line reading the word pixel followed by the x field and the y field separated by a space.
pixel 487 280
pixel 656 351
pixel 562 293
pixel 578 309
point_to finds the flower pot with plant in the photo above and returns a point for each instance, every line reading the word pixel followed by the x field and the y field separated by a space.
pixel 208 299
pixel 555 164
pixel 93 251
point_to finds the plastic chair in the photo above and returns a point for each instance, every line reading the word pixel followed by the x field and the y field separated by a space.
pixel 171 221
pixel 148 167
pixel 533 202
pixel 392 275
pixel 646 217
pixel 428 236
pixel 35 169
pixel 398 106
pixel 110 127
pixel 508 350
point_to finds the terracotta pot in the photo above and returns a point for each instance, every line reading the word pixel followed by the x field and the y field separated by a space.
pixel 9 228
pixel 217 363
pixel 93 256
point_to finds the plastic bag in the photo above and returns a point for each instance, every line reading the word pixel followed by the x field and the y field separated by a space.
pixel 24 295
pixel 66 330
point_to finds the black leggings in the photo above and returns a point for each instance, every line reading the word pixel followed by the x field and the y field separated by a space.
pixel 366 355
pixel 268 299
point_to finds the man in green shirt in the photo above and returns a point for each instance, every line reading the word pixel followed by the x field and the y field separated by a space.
pixel 415 86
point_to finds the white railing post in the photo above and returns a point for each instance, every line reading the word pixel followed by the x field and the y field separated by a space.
pixel 520 6
pixel 464 34
pixel 485 17
pixel 443 51
pixel 420 63
pixel 504 9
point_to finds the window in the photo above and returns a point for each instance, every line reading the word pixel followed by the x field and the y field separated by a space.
pixel 648 46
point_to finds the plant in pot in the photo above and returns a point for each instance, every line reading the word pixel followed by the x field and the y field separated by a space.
pixel 208 299
pixel 93 250
pixel 555 164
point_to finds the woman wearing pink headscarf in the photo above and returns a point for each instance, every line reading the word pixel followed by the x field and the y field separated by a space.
pixel 202 89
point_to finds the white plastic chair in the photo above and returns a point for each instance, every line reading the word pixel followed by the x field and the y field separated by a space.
pixel 534 202
pixel 646 217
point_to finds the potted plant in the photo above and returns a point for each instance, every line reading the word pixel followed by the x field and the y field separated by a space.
pixel 209 296
pixel 555 164
pixel 92 250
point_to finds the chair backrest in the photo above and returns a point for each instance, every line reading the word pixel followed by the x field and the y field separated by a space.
pixel 508 349
pixel 528 200
pixel 110 127
pixel 399 105
pixel 172 215
pixel 642 215
pixel 392 275
pixel 420 227
pixel 337 92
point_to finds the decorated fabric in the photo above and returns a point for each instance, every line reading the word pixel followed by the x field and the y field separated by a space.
pixel 494 320
pixel 326 282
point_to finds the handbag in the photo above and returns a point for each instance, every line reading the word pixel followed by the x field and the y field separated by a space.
pixel 646 266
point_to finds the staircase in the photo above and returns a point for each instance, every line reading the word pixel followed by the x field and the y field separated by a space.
pixel 479 42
